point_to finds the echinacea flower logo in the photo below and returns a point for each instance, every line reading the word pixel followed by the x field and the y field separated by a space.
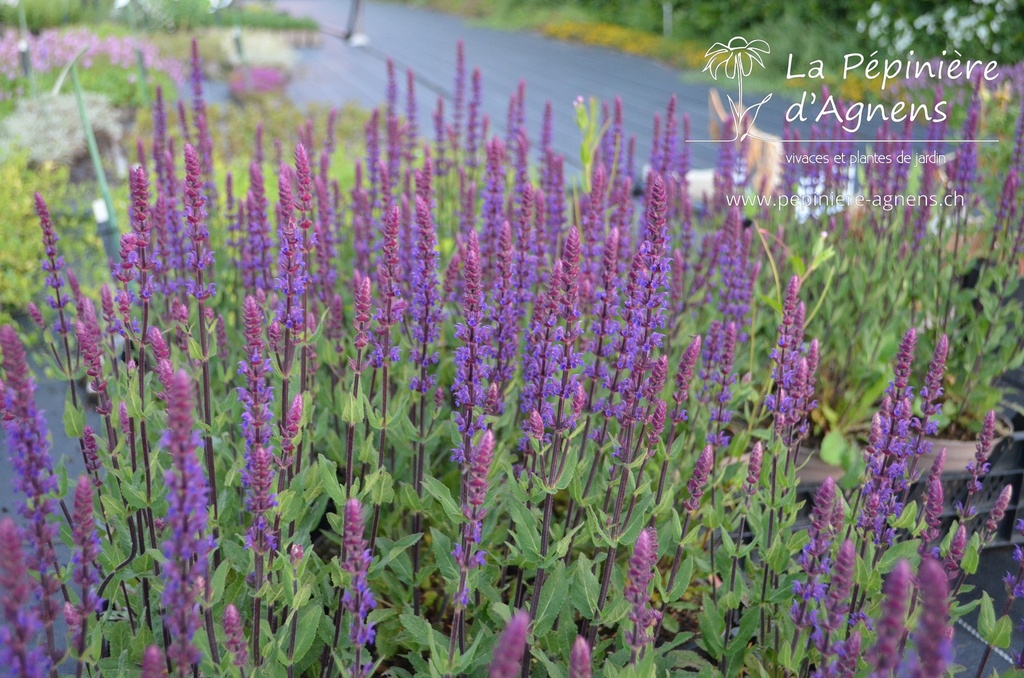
pixel 736 60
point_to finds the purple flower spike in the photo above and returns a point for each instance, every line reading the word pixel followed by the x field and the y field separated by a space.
pixel 88 331
pixel 476 484
pixel 535 426
pixel 699 478
pixel 425 310
pixel 579 659
pixel 18 647
pixel 391 306
pixel 361 322
pixel 884 657
pixel 200 258
pixel 932 392
pixel 53 264
pixel 508 653
pixel 637 593
pixel 933 632
pixel 505 312
pixel 684 376
pixel 291 266
pixel 656 424
pixel 91 452
pixel 754 469
pixel 153 663
pixel 979 467
pixel 474 509
pixel 258 477
pixel 837 602
pixel 290 434
pixel 716 371
pixel 813 558
pixel 256 395
pixel 933 500
pixel 358 598
pixel 29 454
pixel 957 546
pixel 904 361
pixel 234 637
pixel 470 358
pixel 849 654
pixel 87 549
pixel 999 510
pixel 188 547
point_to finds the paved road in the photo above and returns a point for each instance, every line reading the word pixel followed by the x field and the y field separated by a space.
pixel 425 40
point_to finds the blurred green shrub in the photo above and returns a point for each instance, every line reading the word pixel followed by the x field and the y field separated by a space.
pixel 191 14
pixel 40 14
pixel 20 278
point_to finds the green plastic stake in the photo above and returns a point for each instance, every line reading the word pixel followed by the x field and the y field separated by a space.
pixel 94 152
pixel 26 57
pixel 143 82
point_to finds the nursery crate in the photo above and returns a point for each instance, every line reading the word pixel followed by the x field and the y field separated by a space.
pixel 1007 468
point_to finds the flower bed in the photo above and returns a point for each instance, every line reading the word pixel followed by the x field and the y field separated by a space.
pixel 465 417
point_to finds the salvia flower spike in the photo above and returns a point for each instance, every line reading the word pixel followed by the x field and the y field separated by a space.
pixel 884 657
pixel 580 660
pixel 188 547
pixel 358 599
pixel 640 576
pixel 508 652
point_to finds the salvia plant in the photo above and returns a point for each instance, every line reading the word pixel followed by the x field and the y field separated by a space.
pixel 469 416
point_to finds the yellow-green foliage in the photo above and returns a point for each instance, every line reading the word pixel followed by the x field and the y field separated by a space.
pixel 21 278
pixel 629 40
pixel 41 14
pixel 234 131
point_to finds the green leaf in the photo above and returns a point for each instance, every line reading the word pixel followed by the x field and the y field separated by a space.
pixel 440 492
pixel 905 550
pixel 309 622
pixel 380 487
pixel 407 498
pixel 682 580
pixel 351 408
pixel 134 495
pixel 562 547
pixel 1003 632
pixel 833 448
pixel 994 632
pixel 329 475
pixel 418 629
pixel 219 577
pixel 74 419
pixel 552 600
pixel 195 351
pixel 551 669
pixel 393 551
pixel 798 265
pixel 441 546
pixel 371 414
pixel 712 628
pixel 585 588
pixel 738 645
pixel 908 518
pixel 969 563
pixel 526 534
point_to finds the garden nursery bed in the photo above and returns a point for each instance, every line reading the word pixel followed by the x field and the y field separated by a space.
pixel 427 403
